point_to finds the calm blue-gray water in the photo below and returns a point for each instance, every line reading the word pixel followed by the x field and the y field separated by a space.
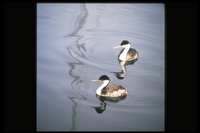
pixel 75 45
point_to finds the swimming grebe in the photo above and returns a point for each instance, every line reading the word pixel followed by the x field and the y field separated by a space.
pixel 127 53
pixel 110 90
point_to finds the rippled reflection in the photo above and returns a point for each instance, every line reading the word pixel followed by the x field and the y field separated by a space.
pixel 73 65
pixel 76 81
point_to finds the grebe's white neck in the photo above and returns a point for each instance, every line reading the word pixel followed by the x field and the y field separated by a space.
pixel 105 83
pixel 123 54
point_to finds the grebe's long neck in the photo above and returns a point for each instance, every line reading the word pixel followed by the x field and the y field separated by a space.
pixel 105 83
pixel 125 51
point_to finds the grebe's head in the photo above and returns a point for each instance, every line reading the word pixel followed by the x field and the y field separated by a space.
pixel 103 78
pixel 123 44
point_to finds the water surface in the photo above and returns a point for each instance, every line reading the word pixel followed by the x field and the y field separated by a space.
pixel 75 45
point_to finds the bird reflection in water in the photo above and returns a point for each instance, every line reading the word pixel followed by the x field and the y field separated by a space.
pixel 127 56
pixel 100 109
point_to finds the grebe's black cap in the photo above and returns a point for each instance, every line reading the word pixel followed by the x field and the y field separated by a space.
pixel 124 42
pixel 104 77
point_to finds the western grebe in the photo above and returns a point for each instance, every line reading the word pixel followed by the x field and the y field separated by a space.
pixel 127 53
pixel 110 90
